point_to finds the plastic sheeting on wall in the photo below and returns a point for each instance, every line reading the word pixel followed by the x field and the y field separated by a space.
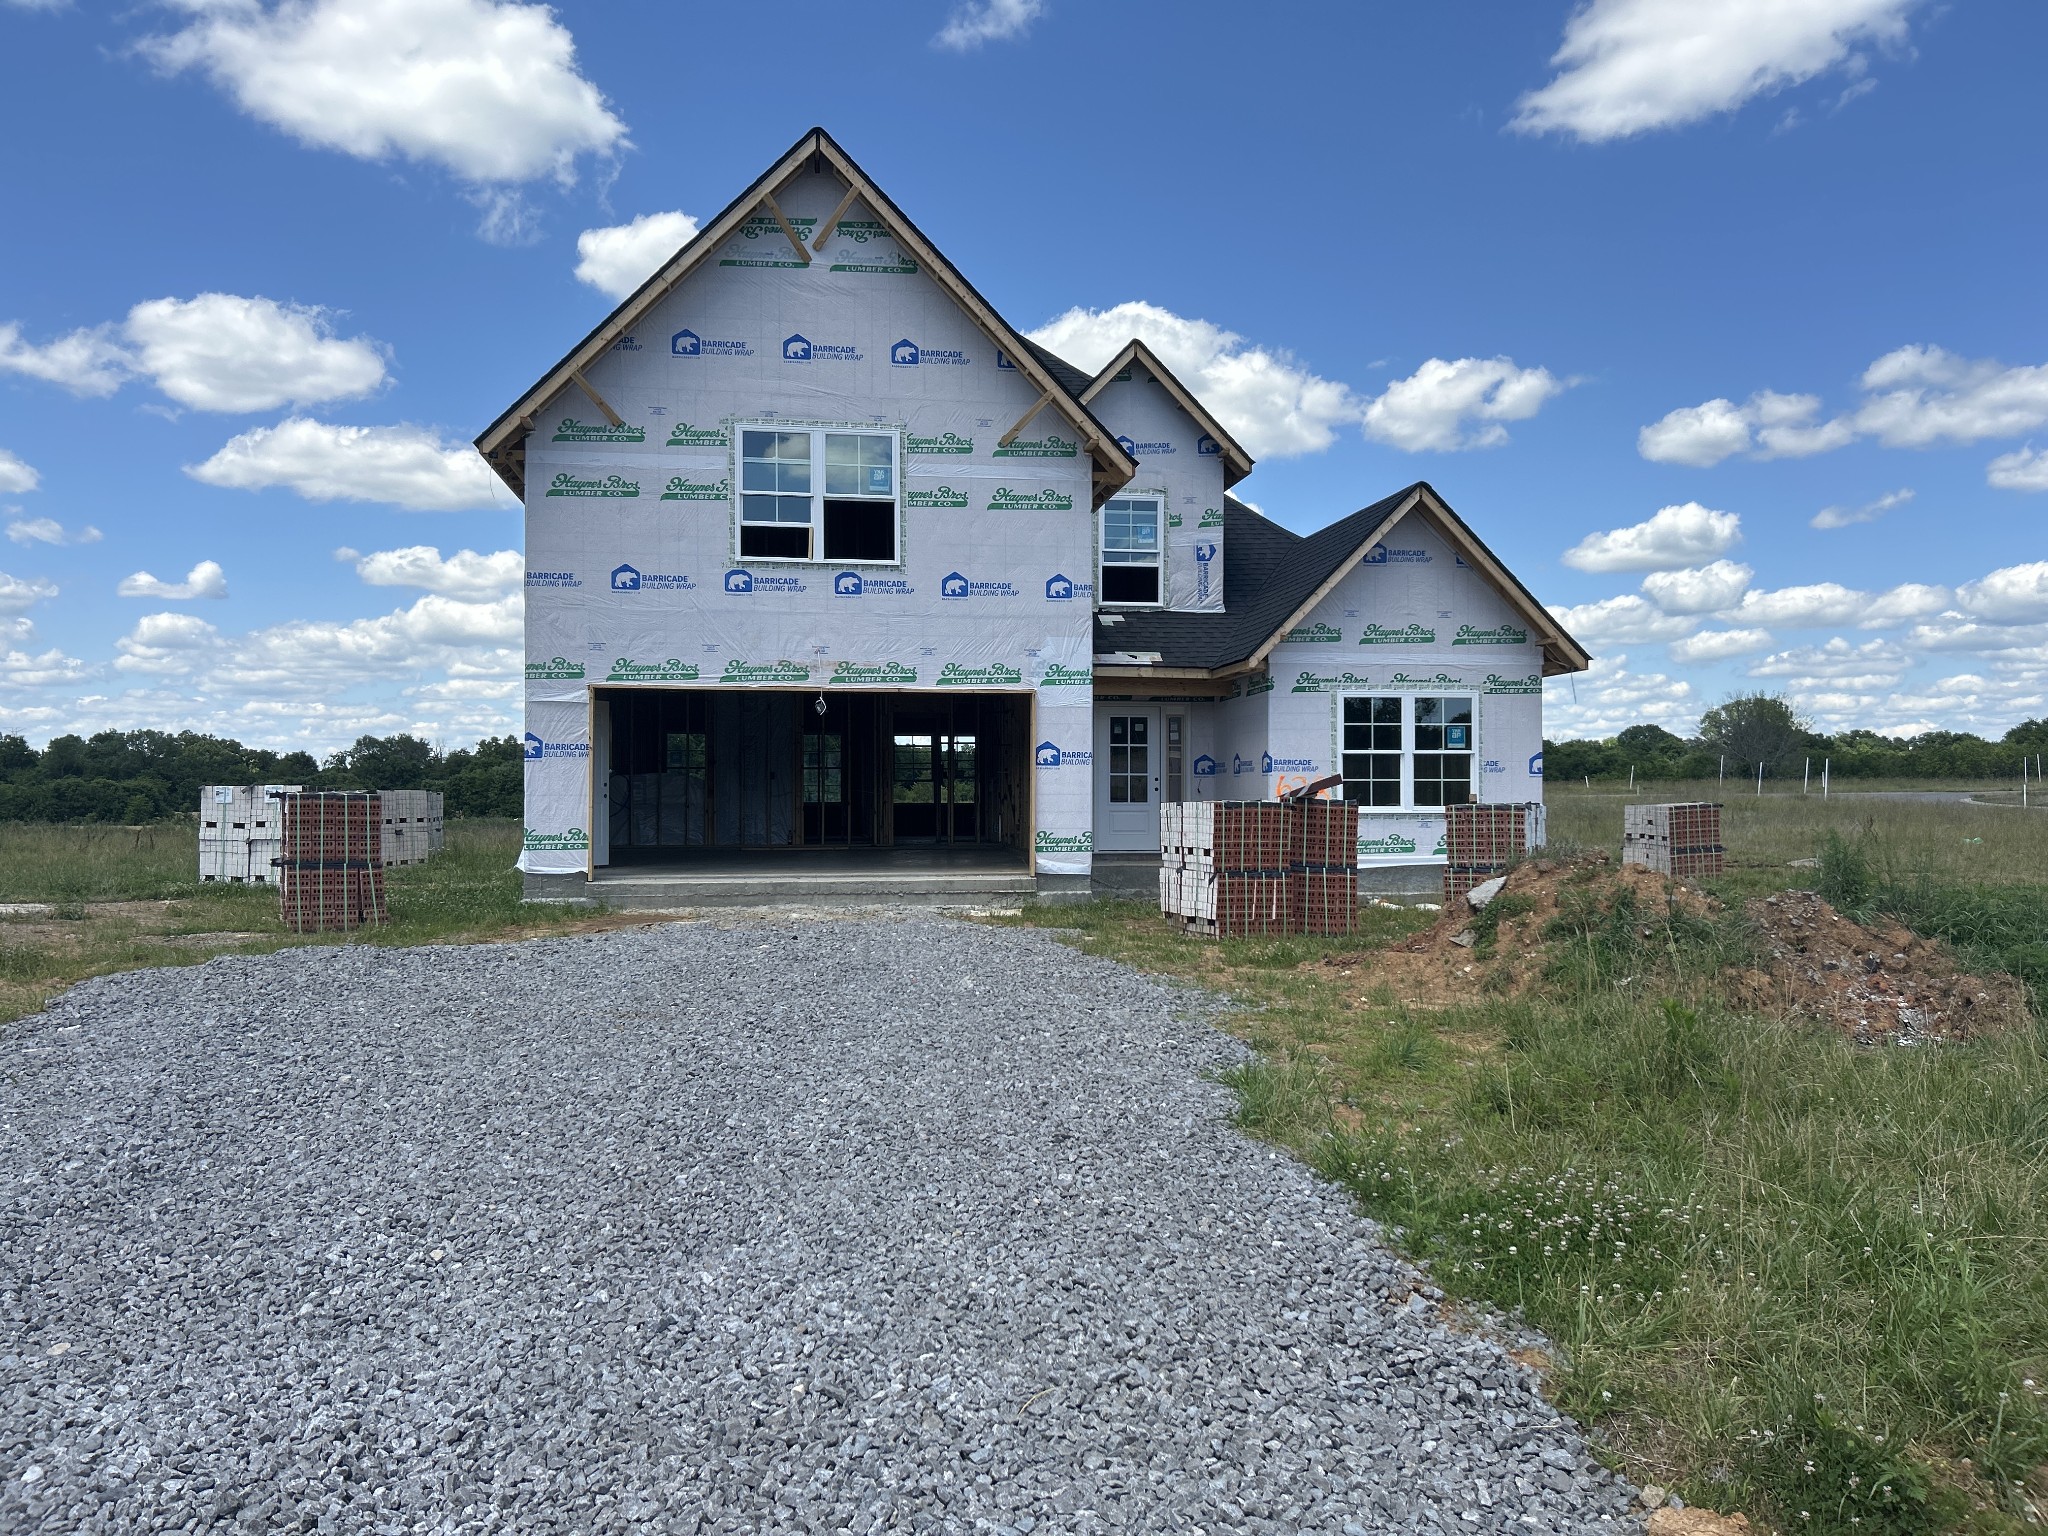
pixel 1185 467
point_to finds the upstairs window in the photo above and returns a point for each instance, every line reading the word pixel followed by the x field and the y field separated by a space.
pixel 1130 550
pixel 813 494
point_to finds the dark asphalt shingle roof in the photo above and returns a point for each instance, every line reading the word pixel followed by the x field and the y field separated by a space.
pixel 1269 572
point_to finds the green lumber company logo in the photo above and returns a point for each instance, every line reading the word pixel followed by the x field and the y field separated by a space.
pixel 957 675
pixel 944 496
pixel 1050 446
pixel 1500 634
pixel 737 671
pixel 860 232
pixel 1262 683
pixel 683 435
pixel 1326 682
pixel 1495 683
pixel 556 669
pixel 575 840
pixel 1392 842
pixel 1407 634
pixel 1434 680
pixel 945 442
pixel 1065 842
pixel 884 673
pixel 1006 500
pixel 626 670
pixel 1313 634
pixel 566 484
pixel 1058 676
pixel 683 488
pixel 573 431
pixel 762 227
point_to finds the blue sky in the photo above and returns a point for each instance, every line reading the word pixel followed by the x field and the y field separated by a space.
pixel 1647 289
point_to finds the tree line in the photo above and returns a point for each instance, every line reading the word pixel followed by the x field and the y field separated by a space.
pixel 132 777
pixel 1742 732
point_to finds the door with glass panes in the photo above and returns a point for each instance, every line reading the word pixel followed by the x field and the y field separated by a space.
pixel 1129 761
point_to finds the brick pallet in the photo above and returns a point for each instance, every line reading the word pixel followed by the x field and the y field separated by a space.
pixel 332 863
pixel 1680 839
pixel 1481 841
pixel 1234 868
pixel 240 832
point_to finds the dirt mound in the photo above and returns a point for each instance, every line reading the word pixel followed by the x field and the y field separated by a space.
pixel 1879 983
pixel 1875 983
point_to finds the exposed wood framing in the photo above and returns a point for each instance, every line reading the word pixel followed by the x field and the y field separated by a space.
pixel 603 404
pixel 825 229
pixel 1024 421
pixel 795 243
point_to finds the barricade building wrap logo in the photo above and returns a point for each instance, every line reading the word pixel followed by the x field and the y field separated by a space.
pixel 740 582
pixel 536 749
pixel 1407 634
pixel 683 488
pixel 1313 634
pixel 566 484
pixel 575 840
pixel 626 578
pixel 1064 842
pixel 996 674
pixel 944 443
pixel 1495 683
pixel 1059 589
pixel 556 669
pixel 1048 500
pixel 1060 676
pixel 1241 765
pixel 1205 556
pixel 955 585
pixel 1268 763
pixel 1050 755
pixel 908 354
pixel 854 584
pixel 1535 765
pixel 801 349
pixel 737 671
pixel 553 579
pixel 883 674
pixel 1207 447
pixel 1050 446
pixel 570 430
pixel 1380 554
pixel 1136 450
pixel 1205 767
pixel 627 344
pixel 941 496
pixel 1500 634
pixel 626 670
pixel 687 343
pixel 683 435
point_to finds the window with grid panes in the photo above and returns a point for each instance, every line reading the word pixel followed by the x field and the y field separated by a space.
pixel 1130 550
pixel 1373 749
pixel 818 494
pixel 1443 750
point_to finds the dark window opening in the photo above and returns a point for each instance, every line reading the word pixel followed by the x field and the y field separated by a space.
pixel 860 530
pixel 1130 583
pixel 775 541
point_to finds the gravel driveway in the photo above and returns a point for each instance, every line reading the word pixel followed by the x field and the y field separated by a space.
pixel 847 1225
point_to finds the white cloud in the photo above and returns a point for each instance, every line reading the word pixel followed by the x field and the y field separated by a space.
pixel 1450 405
pixel 1674 536
pixel 20 593
pixel 617 259
pixel 1719 645
pixel 1909 600
pixel 406 466
pixel 2014 594
pixel 1701 589
pixel 486 88
pixel 1276 408
pixel 15 476
pixel 206 579
pixel 2024 469
pixel 1624 620
pixel 1874 664
pixel 47 530
pixel 1806 607
pixel 1766 426
pixel 165 643
pixel 975 22
pixel 86 362
pixel 462 574
pixel 1955 632
pixel 1632 66
pixel 18 669
pixel 222 352
pixel 1608 697
pixel 1869 512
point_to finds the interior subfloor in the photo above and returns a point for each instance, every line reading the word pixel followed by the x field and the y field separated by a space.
pixel 907 860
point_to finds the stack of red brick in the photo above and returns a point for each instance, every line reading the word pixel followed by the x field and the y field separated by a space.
pixel 332 866
pixel 1679 840
pixel 1481 841
pixel 1236 867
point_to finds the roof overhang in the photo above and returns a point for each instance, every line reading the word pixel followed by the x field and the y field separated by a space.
pixel 1236 462
pixel 503 443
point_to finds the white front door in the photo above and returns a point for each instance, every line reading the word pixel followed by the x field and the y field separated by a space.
pixel 1128 752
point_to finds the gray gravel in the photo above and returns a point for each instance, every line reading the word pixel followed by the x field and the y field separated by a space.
pixel 850 1225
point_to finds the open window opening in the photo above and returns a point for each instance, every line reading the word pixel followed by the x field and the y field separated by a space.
pixel 1131 559
pixel 815 494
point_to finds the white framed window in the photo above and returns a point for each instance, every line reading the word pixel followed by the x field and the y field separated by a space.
pixel 1408 751
pixel 1131 563
pixel 819 493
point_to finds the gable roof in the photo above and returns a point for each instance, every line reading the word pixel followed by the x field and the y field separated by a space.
pixel 1277 577
pixel 1236 462
pixel 503 443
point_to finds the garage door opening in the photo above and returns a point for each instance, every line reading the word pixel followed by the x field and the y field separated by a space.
pixel 701 774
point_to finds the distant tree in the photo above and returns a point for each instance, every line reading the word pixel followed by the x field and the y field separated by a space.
pixel 1754 728
pixel 388 762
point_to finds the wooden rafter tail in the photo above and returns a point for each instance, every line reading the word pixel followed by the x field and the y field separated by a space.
pixel 1024 421
pixel 603 404
pixel 795 241
pixel 825 230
